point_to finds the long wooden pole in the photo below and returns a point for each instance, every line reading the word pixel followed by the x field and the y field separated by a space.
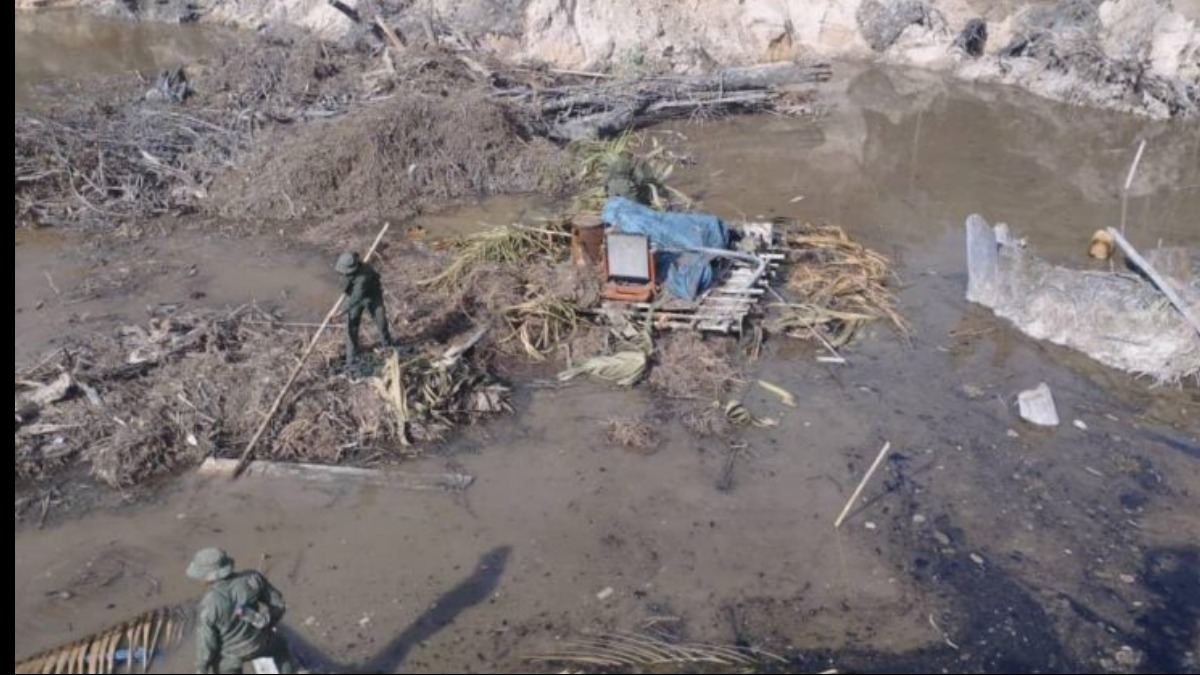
pixel 858 490
pixel 248 453
pixel 1159 280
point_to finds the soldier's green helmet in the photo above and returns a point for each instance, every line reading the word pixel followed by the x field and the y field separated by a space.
pixel 210 564
pixel 347 263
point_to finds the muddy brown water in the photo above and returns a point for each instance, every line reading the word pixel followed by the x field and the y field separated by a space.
pixel 984 545
pixel 55 49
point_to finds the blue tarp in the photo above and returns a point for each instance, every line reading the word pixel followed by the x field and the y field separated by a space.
pixel 685 275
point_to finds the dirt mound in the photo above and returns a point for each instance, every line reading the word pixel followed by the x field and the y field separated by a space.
pixel 392 158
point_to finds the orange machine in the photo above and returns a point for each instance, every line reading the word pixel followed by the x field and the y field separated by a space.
pixel 628 268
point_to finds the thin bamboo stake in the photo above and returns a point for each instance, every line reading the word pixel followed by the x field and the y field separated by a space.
pixel 858 490
pixel 1137 159
pixel 1163 284
pixel 391 35
pixel 248 453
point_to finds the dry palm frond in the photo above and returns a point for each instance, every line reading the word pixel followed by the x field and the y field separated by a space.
pixel 136 642
pixel 596 157
pixel 508 245
pixel 624 368
pixel 429 397
pixel 629 650
pixel 839 282
pixel 803 320
pixel 541 323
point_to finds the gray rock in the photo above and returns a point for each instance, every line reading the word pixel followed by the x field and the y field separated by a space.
pixel 973 38
pixel 881 25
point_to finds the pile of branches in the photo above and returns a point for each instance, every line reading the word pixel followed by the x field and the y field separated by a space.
pixel 107 164
pixel 157 398
pixel 604 106
pixel 143 155
pixel 140 154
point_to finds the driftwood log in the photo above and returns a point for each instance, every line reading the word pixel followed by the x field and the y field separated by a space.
pixel 604 107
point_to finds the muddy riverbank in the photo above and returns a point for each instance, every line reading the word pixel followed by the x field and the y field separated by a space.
pixel 1136 55
pixel 984 545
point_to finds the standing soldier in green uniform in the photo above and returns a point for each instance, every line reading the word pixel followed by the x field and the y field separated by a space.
pixel 364 294
pixel 236 620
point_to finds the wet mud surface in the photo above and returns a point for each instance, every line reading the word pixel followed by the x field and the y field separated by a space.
pixel 984 545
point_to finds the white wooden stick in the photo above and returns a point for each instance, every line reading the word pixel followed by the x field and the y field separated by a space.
pixel 858 491
pixel 1137 159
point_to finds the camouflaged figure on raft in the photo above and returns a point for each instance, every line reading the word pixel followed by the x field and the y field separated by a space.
pixel 629 178
pixel 236 619
pixel 364 294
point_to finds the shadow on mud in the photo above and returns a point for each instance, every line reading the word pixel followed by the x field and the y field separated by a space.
pixel 1007 630
pixel 1171 629
pixel 469 592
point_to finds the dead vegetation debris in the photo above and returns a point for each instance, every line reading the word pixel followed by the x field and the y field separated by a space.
pixel 838 285
pixel 284 130
pixel 109 152
pixel 103 165
pixel 193 385
pixel 708 419
pixel 686 366
pixel 506 245
pixel 155 398
pixel 392 157
pixel 636 434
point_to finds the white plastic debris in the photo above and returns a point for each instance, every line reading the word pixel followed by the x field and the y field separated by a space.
pixel 1037 406
pixel 605 594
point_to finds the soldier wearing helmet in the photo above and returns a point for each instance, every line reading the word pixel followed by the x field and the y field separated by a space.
pixel 236 619
pixel 364 293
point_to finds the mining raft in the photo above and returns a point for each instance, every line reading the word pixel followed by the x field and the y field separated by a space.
pixel 680 270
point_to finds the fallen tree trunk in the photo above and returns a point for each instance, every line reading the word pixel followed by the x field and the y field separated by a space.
pixel 601 108
pixel 762 76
